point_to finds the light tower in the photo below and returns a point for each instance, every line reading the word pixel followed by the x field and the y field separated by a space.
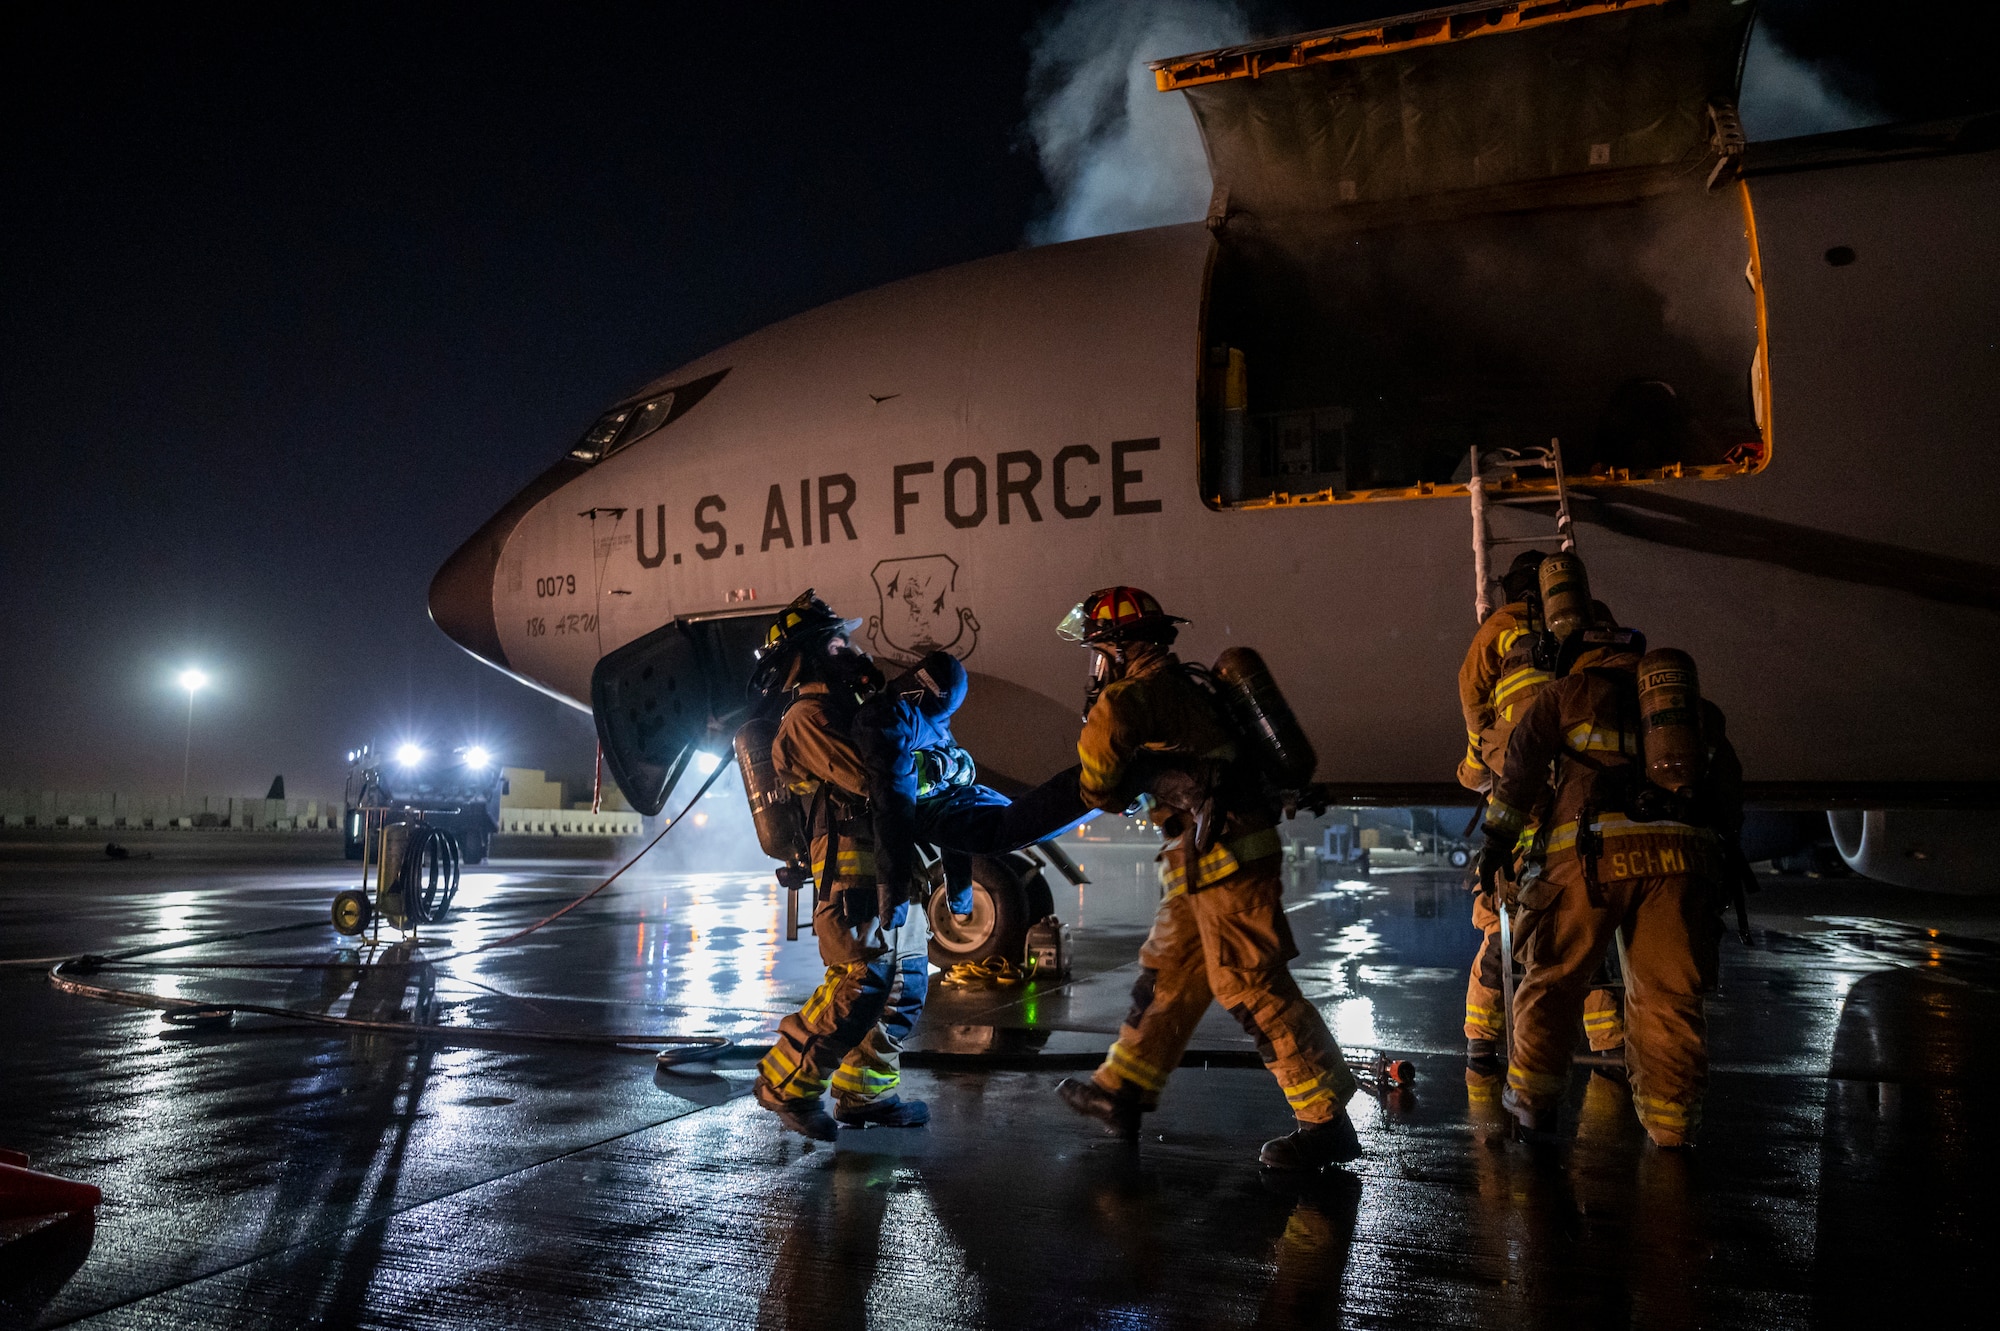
pixel 194 681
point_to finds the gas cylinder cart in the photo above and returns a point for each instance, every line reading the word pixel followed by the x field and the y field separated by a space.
pixel 414 866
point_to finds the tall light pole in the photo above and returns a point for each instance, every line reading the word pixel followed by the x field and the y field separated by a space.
pixel 193 681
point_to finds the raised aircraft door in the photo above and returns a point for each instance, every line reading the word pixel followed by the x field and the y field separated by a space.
pixel 680 689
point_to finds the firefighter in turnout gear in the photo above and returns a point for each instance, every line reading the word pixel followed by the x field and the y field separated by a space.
pixel 1614 850
pixel 1151 728
pixel 850 1032
pixel 1505 668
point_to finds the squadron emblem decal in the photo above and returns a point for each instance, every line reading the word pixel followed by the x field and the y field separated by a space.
pixel 920 611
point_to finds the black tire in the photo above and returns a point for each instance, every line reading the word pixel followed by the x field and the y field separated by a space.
pixel 1460 857
pixel 473 847
pixel 352 912
pixel 1002 905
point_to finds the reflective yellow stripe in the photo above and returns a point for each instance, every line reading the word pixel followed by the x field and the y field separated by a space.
pixel 1508 637
pixel 849 864
pixel 1306 1094
pixel 1601 1021
pixel 1586 738
pixel 1666 1114
pixel 1536 1083
pixel 1526 678
pixel 1223 859
pixel 822 997
pixel 780 1070
pixel 865 1081
pixel 1564 836
pixel 1131 1068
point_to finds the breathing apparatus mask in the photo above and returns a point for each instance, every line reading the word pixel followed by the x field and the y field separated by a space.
pixel 808 644
pixel 1108 622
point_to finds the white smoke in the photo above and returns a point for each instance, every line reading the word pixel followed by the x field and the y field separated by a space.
pixel 1118 153
pixel 1784 97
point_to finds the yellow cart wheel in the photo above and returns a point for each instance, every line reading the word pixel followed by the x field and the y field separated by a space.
pixel 352 912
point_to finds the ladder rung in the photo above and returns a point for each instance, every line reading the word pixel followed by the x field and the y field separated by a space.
pixel 1521 540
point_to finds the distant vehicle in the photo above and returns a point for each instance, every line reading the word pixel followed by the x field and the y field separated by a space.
pixel 459 792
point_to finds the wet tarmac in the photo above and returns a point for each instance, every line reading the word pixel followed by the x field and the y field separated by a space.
pixel 277 1175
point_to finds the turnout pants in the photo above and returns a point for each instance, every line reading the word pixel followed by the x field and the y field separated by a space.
pixel 1485 1000
pixel 1228 942
pixel 850 1033
pixel 1671 937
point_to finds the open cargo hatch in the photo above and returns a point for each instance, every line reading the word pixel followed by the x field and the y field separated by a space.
pixel 1472 97
pixel 679 690
pixel 1478 228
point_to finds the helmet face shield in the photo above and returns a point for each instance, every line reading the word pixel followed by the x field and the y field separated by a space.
pixel 1074 624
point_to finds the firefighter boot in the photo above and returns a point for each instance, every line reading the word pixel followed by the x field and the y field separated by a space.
pixel 1119 1113
pixel 889 1112
pixel 1314 1146
pixel 1536 1127
pixel 805 1116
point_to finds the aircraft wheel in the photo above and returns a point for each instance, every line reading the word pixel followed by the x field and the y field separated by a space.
pixel 1001 913
pixel 1460 857
pixel 352 912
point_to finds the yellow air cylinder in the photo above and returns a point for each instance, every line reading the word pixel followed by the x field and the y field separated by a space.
pixel 1565 594
pixel 772 809
pixel 1670 719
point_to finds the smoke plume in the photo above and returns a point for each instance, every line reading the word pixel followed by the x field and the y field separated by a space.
pixel 1784 97
pixel 1119 154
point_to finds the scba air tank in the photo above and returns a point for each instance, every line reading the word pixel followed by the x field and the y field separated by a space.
pixel 772 808
pixel 1565 594
pixel 1263 716
pixel 1670 719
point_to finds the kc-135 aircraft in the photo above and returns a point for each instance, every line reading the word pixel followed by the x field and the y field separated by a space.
pixel 1435 244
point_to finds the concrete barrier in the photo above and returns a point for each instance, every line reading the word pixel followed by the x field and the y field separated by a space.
pixel 569 822
pixel 79 809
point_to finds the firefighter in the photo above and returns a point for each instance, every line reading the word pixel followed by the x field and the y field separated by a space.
pixel 1150 729
pixel 850 1032
pixel 1506 666
pixel 1615 851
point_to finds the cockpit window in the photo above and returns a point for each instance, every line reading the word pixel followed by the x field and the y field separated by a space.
pixel 598 439
pixel 624 426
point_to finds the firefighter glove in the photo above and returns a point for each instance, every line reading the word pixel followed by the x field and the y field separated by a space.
pixel 1496 858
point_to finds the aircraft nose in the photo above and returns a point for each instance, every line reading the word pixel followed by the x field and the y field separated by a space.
pixel 461 596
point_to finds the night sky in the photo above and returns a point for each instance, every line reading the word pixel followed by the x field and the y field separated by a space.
pixel 295 299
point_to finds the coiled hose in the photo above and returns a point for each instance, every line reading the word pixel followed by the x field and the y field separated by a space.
pixel 428 874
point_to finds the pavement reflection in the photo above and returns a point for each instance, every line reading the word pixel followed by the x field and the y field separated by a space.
pixel 277 1175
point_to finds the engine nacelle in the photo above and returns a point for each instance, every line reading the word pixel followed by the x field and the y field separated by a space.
pixel 1931 850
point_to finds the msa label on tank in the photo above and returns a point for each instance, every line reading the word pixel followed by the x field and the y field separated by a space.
pixel 1078 482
